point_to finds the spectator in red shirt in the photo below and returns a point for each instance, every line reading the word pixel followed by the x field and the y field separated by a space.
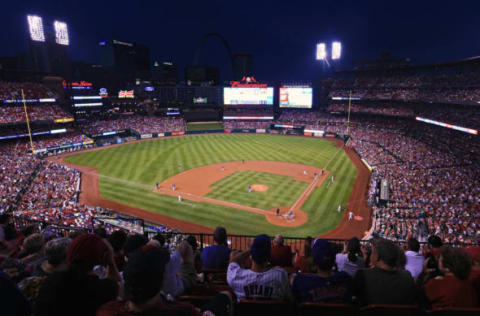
pixel 452 289
pixel 280 255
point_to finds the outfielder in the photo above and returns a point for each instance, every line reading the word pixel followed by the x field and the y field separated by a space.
pixel 339 208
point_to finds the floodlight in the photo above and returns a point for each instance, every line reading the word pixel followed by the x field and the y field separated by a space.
pixel 61 33
pixel 35 25
pixel 321 51
pixel 336 50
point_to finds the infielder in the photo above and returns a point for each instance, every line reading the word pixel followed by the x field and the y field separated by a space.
pixel 180 198
pixel 249 189
pixel 305 173
pixel 339 208
pixel 290 215
pixel 173 187
pixel 350 215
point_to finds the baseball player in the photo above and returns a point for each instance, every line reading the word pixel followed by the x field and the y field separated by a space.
pixel 157 185
pixel 243 161
pixel 278 212
pixel 173 187
pixel 290 215
pixel 331 179
pixel 339 208
pixel 249 189
pixel 223 168
pixel 315 176
pixel 180 199
pixel 179 167
pixel 305 173
pixel 323 172
pixel 350 215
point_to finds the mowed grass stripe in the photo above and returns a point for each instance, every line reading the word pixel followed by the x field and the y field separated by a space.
pixel 145 163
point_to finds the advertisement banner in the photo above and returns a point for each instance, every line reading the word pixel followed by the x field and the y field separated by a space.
pixel 177 133
pixel 64 120
pixel 145 136
pixel 37 151
pixel 261 131
pixel 307 134
pixel 227 131
pixel 160 134
pixel 88 142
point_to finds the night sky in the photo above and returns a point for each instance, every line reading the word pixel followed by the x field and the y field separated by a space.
pixel 280 34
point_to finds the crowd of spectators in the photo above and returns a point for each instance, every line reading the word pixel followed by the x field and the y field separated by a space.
pixel 58 140
pixel 116 273
pixel 141 124
pixel 32 90
pixel 239 124
pixel 433 177
pixel 46 112
pixel 453 87
pixel 377 109
pixel 16 169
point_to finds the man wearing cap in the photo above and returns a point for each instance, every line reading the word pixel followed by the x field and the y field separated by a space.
pixel 259 282
pixel 217 256
pixel 325 285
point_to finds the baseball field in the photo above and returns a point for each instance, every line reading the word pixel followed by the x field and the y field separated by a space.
pixel 234 180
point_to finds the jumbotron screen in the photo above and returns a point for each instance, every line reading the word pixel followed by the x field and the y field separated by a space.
pixel 256 96
pixel 295 97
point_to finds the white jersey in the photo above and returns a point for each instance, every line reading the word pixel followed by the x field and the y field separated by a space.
pixel 272 284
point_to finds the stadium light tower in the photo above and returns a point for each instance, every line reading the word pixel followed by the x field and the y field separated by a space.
pixel 336 50
pixel 321 51
pixel 35 26
pixel 61 33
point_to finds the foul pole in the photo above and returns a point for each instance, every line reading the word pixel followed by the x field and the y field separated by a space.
pixel 28 122
pixel 348 117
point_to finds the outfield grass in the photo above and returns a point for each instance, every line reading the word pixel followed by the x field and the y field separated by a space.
pixel 129 172
pixel 204 126
pixel 282 190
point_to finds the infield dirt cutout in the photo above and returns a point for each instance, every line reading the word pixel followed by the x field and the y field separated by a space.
pixel 259 187
pixel 195 183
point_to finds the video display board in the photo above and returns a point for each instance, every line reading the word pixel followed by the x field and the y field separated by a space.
pixel 253 96
pixel 295 97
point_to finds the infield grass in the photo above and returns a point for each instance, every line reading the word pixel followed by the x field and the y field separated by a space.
pixel 128 173
pixel 282 190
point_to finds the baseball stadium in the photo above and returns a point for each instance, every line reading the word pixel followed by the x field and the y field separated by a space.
pixel 136 185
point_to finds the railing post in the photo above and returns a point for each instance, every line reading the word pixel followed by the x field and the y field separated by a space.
pixel 201 241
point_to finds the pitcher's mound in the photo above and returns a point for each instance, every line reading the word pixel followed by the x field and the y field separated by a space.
pixel 259 187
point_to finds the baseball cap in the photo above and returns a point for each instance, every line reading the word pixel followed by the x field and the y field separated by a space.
pixel 321 250
pixel 87 247
pixel 473 252
pixel 260 248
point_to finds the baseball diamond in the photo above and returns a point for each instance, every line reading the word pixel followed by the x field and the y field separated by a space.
pixel 138 177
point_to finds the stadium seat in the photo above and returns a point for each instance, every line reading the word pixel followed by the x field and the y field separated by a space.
pixel 390 310
pixel 261 307
pixel 455 311
pixel 333 309
pixel 195 300
pixel 215 276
